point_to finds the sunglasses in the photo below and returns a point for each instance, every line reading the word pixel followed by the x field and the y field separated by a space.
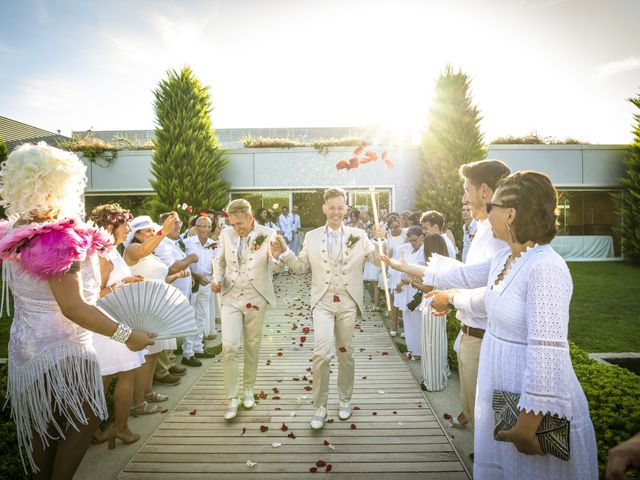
pixel 491 205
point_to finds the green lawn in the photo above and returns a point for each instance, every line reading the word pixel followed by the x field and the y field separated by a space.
pixel 605 309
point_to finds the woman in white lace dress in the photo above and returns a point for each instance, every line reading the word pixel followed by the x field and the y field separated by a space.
pixel 525 349
pixel 140 245
pixel 50 263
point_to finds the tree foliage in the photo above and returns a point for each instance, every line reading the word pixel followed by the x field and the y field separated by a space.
pixel 4 150
pixel 452 139
pixel 629 198
pixel 187 160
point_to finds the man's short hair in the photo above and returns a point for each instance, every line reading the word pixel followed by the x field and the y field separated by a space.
pixel 165 215
pixel 488 171
pixel 434 218
pixel 415 231
pixel 334 192
pixel 205 217
pixel 239 207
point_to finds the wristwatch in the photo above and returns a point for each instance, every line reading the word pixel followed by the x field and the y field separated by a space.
pixel 450 295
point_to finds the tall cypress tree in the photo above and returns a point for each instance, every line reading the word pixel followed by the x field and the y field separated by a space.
pixel 187 160
pixel 629 199
pixel 452 139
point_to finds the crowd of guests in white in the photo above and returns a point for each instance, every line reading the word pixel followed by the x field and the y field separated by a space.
pixel 511 293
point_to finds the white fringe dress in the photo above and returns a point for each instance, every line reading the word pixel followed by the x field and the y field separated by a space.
pixel 52 362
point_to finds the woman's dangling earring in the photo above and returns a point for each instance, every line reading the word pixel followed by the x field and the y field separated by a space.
pixel 513 240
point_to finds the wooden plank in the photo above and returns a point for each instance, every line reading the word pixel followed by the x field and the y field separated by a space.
pixel 396 431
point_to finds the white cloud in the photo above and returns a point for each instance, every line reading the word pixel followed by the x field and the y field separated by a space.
pixel 618 66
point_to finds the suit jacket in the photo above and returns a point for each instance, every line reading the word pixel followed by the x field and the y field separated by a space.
pixel 259 262
pixel 315 256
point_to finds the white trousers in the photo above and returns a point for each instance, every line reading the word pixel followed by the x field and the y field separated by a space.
pixel 434 361
pixel 201 303
pixel 333 319
pixel 238 322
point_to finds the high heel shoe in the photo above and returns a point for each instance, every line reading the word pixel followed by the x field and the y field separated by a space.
pixel 125 436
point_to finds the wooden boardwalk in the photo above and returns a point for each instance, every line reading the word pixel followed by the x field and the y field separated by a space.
pixel 392 432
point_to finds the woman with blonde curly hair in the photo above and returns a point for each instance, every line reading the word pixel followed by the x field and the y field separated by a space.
pixel 113 357
pixel 50 263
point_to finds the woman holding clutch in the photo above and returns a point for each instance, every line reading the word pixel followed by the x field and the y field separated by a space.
pixel 50 263
pixel 525 350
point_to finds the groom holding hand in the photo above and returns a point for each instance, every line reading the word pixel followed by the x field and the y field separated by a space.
pixel 336 255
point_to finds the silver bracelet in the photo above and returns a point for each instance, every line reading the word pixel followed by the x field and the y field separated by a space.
pixel 122 333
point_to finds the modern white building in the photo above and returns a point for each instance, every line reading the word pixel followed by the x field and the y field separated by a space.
pixel 585 175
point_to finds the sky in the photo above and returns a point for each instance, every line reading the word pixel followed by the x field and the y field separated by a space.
pixel 560 68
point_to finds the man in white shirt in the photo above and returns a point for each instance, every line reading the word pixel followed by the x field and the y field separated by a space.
pixel 468 230
pixel 177 260
pixel 297 230
pixel 285 223
pixel 480 181
pixel 203 247
pixel 433 222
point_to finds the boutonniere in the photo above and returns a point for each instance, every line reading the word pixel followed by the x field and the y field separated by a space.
pixel 258 242
pixel 211 246
pixel 351 241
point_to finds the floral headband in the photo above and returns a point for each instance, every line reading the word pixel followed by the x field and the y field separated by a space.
pixel 122 217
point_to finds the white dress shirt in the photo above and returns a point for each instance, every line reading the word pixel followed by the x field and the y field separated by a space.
pixel 170 252
pixel 206 253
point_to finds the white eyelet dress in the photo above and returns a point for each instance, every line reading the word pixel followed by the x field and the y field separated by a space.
pixel 114 356
pixel 525 351
pixel 154 270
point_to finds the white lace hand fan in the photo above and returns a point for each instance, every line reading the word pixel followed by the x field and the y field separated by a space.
pixel 152 306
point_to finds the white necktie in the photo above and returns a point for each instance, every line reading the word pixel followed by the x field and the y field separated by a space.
pixel 335 244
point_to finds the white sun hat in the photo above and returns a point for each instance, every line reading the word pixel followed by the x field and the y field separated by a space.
pixel 140 223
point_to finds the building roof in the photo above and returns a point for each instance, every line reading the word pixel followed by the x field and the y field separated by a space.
pixel 232 137
pixel 15 133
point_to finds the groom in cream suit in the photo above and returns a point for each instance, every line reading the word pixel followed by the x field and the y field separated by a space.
pixel 336 255
pixel 243 278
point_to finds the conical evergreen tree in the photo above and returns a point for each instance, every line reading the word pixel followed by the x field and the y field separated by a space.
pixel 629 199
pixel 187 160
pixel 452 139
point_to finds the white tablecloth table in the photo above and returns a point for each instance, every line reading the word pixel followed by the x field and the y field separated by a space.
pixel 582 247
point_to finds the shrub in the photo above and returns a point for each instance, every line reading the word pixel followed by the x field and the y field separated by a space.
pixel 263 142
pixel 613 394
pixel 534 139
pixel 90 146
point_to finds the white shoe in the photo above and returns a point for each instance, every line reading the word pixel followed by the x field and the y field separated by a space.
pixel 393 333
pixel 317 421
pixel 248 402
pixel 232 409
pixel 344 412
pixel 402 335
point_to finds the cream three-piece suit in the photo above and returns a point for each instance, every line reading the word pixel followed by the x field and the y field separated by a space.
pixel 244 270
pixel 336 260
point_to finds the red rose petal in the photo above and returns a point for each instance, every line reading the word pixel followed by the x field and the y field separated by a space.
pixel 385 353
pixel 371 154
pixel 275 390
pixel 284 427
pixel 353 426
pixel 356 408
pixel 262 395
pixel 291 435
pixel 389 163
pixel 354 162
pixel 308 388
pixel 328 467
pixel 447 416
pixel 306 330
pixel 395 413
pixel 263 428
pixel 374 413
pixel 244 430
pixel 247 306
pixel 255 307
pixel 313 469
pixel 384 155
pixel 280 354
pixel 326 443
pixel 276 397
pixel 358 150
pixel 343 349
pixel 336 298
pixel 342 165
pixel 303 339
pixel 321 463
pixel 364 378
pixel 277 408
pixel 192 412
pixel 331 420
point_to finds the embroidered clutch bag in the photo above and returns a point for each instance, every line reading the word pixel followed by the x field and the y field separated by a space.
pixel 553 432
